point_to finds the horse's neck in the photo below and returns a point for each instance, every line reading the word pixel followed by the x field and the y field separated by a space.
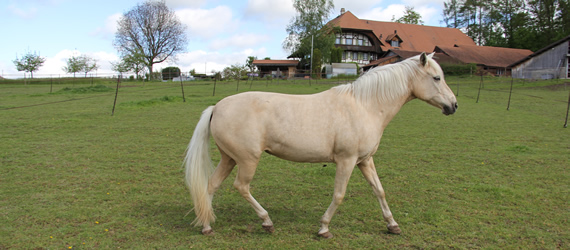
pixel 386 110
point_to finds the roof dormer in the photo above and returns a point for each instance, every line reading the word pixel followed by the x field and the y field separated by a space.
pixel 394 39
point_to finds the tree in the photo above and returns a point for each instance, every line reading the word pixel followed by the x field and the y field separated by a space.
pixel 82 63
pixel 309 26
pixel 29 62
pixel 317 63
pixel 74 65
pixel 235 71
pixel 336 55
pixel 152 30
pixel 170 72
pixel 120 66
pixel 89 64
pixel 249 63
pixel 451 14
pixel 136 63
pixel 410 17
pixel 524 24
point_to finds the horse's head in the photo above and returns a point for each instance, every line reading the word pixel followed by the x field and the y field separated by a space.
pixel 430 85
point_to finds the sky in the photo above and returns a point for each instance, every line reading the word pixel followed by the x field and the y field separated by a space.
pixel 220 32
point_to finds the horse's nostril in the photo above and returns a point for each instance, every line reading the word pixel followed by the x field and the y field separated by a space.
pixel 455 105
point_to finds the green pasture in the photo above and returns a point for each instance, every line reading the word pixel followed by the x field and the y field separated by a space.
pixel 73 176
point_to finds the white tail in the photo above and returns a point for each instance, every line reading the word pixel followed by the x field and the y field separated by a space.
pixel 199 167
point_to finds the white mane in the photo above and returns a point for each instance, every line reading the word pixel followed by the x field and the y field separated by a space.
pixel 383 83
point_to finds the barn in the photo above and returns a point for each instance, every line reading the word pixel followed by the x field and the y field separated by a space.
pixel 276 68
pixel 550 62
pixel 490 60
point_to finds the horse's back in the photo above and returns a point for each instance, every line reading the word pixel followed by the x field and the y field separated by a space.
pixel 294 127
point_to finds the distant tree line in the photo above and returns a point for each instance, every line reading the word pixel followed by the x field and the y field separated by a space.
pixel 523 24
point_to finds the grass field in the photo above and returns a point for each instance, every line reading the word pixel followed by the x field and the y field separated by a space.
pixel 73 176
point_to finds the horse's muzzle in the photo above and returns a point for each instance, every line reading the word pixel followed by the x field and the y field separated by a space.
pixel 449 110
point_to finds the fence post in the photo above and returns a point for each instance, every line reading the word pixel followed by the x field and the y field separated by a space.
pixel 480 84
pixel 182 86
pixel 567 109
pixel 457 89
pixel 116 94
pixel 215 80
pixel 510 93
pixel 51 84
pixel 237 86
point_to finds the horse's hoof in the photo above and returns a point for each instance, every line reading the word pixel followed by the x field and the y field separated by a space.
pixel 269 229
pixel 326 235
pixel 394 229
pixel 208 232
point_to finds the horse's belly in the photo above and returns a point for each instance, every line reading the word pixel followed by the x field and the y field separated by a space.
pixel 300 153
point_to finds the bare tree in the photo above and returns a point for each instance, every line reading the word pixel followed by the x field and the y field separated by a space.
pixel 152 30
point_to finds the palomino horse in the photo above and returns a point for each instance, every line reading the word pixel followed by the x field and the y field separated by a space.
pixel 342 125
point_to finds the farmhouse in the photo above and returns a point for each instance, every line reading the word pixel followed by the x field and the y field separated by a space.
pixel 365 41
pixel 552 61
pixel 374 43
pixel 395 55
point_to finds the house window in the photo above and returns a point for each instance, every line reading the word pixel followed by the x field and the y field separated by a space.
pixel 344 55
pixel 365 56
pixel 337 41
pixel 354 56
pixel 395 43
pixel 349 39
pixel 348 55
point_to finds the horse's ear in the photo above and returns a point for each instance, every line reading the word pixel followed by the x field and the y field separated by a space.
pixel 423 59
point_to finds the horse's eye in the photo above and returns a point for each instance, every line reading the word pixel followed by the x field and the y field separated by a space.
pixel 437 78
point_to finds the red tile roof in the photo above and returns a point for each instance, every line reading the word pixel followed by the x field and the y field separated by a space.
pixel 275 62
pixel 484 55
pixel 414 37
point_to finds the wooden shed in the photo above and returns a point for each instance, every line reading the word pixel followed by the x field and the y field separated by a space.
pixel 550 62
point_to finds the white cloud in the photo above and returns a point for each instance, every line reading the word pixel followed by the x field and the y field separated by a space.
pixel 204 61
pixel 430 15
pixel 175 4
pixel 384 14
pixel 372 10
pixel 273 11
pixel 421 3
pixel 356 7
pixel 27 13
pixel 109 28
pixel 240 41
pixel 206 24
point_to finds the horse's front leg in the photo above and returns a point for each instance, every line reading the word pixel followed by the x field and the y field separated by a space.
pixel 369 172
pixel 343 171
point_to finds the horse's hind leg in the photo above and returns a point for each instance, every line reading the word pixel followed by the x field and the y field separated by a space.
pixel 246 170
pixel 222 171
pixel 369 172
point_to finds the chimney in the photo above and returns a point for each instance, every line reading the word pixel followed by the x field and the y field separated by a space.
pixel 342 11
pixel 395 31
